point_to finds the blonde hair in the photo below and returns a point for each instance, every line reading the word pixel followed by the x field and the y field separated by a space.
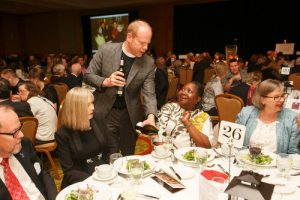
pixel 75 109
pixel 221 69
pixel 263 89
pixel 134 26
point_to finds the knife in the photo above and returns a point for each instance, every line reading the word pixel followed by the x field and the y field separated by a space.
pixel 223 169
pixel 147 195
pixel 175 172
pixel 295 174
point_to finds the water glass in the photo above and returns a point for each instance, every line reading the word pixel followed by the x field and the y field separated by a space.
pixel 136 170
pixel 112 158
pixel 284 164
pixel 201 157
pixel 168 143
pixel 117 167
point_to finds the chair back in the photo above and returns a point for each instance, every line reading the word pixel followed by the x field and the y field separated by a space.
pixel 189 75
pixel 182 76
pixel 172 90
pixel 296 80
pixel 208 72
pixel 61 90
pixel 59 116
pixel 29 128
pixel 228 106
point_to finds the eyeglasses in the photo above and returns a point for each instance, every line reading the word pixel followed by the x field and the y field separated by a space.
pixel 278 98
pixel 15 133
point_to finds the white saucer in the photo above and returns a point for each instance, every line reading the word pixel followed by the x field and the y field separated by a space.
pixel 106 180
pixel 160 157
pixel 286 189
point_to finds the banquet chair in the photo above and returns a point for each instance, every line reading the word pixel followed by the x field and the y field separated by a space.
pixel 189 75
pixel 29 127
pixel 47 148
pixel 208 73
pixel 59 115
pixel 228 106
pixel 61 90
pixel 172 90
pixel 296 80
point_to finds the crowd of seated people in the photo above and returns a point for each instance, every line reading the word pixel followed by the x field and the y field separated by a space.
pixel 187 120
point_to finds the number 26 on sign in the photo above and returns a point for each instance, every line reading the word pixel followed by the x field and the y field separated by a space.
pixel 232 132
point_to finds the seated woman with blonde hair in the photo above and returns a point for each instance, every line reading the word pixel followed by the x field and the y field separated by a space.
pixel 268 124
pixel 185 121
pixel 83 141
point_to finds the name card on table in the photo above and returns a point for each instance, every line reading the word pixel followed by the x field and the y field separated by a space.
pixel 232 132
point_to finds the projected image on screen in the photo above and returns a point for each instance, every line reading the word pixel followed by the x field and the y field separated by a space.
pixel 108 28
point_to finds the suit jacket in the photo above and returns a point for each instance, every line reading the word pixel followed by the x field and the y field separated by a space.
pixel 161 87
pixel 21 108
pixel 42 180
pixel 69 148
pixel 140 78
pixel 73 81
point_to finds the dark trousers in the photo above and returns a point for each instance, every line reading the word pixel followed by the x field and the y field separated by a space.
pixel 119 124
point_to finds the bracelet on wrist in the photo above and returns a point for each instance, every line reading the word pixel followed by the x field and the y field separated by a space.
pixel 189 125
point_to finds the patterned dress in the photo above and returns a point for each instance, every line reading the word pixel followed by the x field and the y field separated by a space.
pixel 169 122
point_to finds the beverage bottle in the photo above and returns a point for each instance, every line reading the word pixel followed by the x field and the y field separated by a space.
pixel 121 69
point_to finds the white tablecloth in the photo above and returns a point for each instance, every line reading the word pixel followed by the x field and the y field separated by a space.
pixel 198 187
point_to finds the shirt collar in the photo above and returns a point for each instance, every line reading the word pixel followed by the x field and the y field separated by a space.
pixel 126 52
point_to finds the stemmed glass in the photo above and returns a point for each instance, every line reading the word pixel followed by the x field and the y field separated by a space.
pixel 284 164
pixel 116 166
pixel 255 150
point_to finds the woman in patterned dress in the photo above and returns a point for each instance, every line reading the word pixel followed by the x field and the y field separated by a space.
pixel 185 121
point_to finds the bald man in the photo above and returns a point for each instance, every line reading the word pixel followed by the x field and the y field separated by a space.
pixel 122 112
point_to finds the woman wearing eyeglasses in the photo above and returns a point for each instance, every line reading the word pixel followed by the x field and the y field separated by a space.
pixel 267 122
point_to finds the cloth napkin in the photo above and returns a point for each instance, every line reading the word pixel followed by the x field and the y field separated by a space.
pixel 209 174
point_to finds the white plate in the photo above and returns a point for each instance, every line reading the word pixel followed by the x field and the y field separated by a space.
pixel 104 191
pixel 123 162
pixel 286 189
pixel 97 178
pixel 185 172
pixel 160 157
pixel 244 154
pixel 192 163
pixel 219 151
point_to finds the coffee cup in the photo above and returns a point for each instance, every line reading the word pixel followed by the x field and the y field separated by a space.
pixel 160 151
pixel 103 171
pixel 296 161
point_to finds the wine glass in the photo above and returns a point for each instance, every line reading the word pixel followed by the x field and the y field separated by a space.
pixel 284 164
pixel 255 150
pixel 168 143
pixel 112 158
pixel 116 166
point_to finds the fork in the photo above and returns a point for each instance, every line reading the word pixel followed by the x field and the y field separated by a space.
pixel 173 158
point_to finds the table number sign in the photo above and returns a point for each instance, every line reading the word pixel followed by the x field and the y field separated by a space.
pixel 285 70
pixel 232 133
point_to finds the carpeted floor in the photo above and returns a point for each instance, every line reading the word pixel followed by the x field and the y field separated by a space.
pixel 143 146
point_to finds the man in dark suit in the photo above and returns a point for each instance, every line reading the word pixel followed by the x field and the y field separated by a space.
pixel 161 82
pixel 21 108
pixel 121 111
pixel 22 175
pixel 75 77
